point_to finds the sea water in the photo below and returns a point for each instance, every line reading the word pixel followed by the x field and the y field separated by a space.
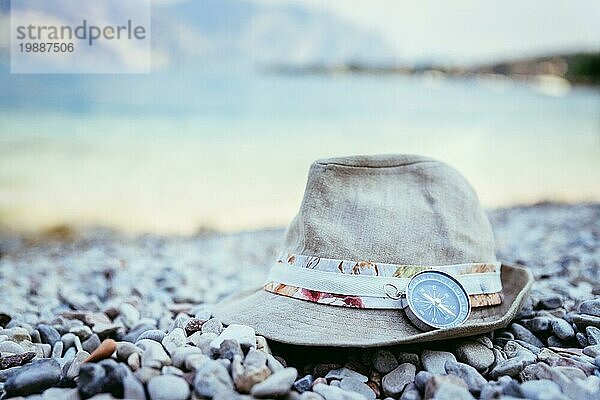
pixel 181 152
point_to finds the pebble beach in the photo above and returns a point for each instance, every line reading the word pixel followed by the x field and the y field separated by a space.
pixel 98 314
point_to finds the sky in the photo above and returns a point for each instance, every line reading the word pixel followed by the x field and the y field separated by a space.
pixel 473 30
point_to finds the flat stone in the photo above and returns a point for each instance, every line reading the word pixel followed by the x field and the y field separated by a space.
pixel 154 355
pixel 57 350
pixel 342 373
pixel 91 343
pixel 255 359
pixel 562 329
pixel 16 360
pixel 213 325
pixel 55 393
pixel 135 334
pixel 230 348
pixel 133 389
pixel 384 361
pixel 202 341
pixel 11 347
pixel 355 385
pixel 48 334
pixel 395 381
pixel 180 355
pixel 168 387
pixel 447 387
pixel 540 389
pixel 581 339
pixel 413 358
pixel 129 315
pixel 538 324
pixel 593 335
pixel 33 378
pixel 550 303
pixel 81 331
pixel 592 350
pixel 526 335
pixel 468 374
pixel 153 334
pixel 125 349
pixel 245 378
pixel 584 320
pixel 175 339
pixel 335 393
pixel 144 374
pixel 511 367
pixel 212 378
pixel 79 359
pixel 243 334
pixel 193 325
pixel 422 378
pixel 591 307
pixel 278 384
pixel 475 354
pixel 435 361
pixel 304 384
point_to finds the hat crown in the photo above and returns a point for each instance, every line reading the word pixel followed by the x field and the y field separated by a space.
pixel 397 209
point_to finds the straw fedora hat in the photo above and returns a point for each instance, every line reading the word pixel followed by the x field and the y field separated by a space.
pixel 385 250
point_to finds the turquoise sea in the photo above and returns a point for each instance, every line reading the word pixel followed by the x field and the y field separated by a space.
pixel 174 153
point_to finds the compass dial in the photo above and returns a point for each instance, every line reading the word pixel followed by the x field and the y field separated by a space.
pixel 437 300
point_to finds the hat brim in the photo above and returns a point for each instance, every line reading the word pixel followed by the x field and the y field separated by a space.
pixel 301 322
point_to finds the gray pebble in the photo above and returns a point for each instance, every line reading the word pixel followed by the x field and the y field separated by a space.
pixel 422 378
pixel 468 374
pixel 213 325
pixel 395 381
pixel 591 307
pixel 593 335
pixel 57 350
pixel 275 385
pixel 355 385
pixel 230 348
pixel 562 329
pixel 435 361
pixel 335 393
pixel 48 334
pixel 154 355
pixel 550 302
pixel 129 315
pixel 538 324
pixel 153 334
pixel 33 378
pixel 525 334
pixel 133 389
pixel 211 379
pixel 384 361
pixel 168 387
pixel 475 354
pixel 175 339
pixel 11 347
pixel 243 334
pixel 91 343
pixel 303 384
pixel 540 389
pixel 342 373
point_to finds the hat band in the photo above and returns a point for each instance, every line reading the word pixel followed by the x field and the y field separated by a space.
pixel 363 284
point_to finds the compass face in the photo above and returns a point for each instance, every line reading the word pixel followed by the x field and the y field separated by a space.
pixel 437 300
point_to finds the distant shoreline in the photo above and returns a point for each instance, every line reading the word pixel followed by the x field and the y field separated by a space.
pixel 576 69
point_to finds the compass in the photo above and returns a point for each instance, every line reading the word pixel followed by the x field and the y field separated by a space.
pixel 436 300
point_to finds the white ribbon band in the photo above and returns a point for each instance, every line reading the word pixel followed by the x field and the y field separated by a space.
pixel 369 285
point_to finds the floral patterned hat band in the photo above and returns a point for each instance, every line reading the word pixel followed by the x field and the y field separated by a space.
pixel 364 284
